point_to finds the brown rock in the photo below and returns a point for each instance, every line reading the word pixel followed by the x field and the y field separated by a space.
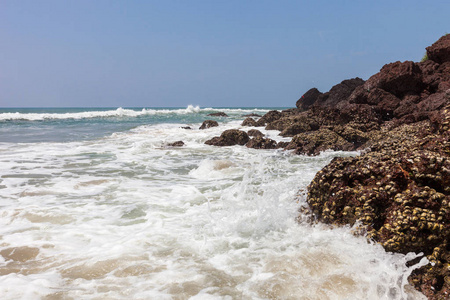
pixel 255 132
pixel 249 122
pixel 339 92
pixel 252 115
pixel 314 142
pixel 398 78
pixel 400 194
pixel 218 114
pixel 440 50
pixel 229 137
pixel 208 124
pixel 269 117
pixel 261 143
pixel 176 144
pixel 308 99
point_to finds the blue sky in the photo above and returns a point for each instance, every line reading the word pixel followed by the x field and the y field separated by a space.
pixel 209 53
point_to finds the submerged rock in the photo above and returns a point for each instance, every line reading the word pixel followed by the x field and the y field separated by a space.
pixel 176 144
pixel 218 114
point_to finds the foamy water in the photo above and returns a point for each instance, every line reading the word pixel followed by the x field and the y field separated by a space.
pixel 124 216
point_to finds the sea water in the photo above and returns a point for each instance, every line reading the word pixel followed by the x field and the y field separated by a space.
pixel 95 204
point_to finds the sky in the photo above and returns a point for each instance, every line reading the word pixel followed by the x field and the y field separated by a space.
pixel 246 53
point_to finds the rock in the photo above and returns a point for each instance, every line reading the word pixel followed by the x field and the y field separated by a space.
pixel 186 127
pixel 208 124
pixel 293 124
pixel 176 144
pixel 295 129
pixel 440 120
pixel 384 103
pixel 433 102
pixel 398 78
pixel 314 142
pixel 308 99
pixel 261 143
pixel 269 117
pixel 400 193
pixel 229 137
pixel 252 115
pixel 249 122
pixel 339 92
pixel 218 114
pixel 352 135
pixel 290 112
pixel 440 50
pixel 255 132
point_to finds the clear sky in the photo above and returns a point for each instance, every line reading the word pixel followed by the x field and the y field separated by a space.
pixel 209 53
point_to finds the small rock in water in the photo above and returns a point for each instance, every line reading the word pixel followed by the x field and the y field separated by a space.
pixel 218 114
pixel 209 123
pixel 176 144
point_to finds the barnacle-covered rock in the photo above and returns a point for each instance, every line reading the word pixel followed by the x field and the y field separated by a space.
pixel 260 142
pixel 399 192
pixel 229 137
pixel 312 143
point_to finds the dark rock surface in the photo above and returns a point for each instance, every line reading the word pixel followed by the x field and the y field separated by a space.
pixel 229 137
pixel 269 117
pixel 252 115
pixel 176 144
pixel 218 114
pixel 440 50
pixel 308 99
pixel 249 122
pixel 208 124
pixel 254 132
pixel 260 142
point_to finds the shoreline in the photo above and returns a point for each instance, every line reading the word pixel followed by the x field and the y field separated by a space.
pixel 399 188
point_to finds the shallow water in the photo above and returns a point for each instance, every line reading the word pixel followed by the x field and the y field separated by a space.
pixel 116 214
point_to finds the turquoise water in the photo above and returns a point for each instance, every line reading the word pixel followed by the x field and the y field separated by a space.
pixel 26 125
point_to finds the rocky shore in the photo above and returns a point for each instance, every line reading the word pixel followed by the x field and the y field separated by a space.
pixel 398 189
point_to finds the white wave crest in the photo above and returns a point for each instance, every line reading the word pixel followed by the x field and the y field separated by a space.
pixel 119 112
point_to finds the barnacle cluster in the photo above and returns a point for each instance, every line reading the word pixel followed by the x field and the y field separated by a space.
pixel 399 192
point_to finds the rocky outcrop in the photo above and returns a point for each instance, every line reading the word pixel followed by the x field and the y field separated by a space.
pixel 229 137
pixel 269 117
pixel 398 189
pixel 252 115
pixel 440 51
pixel 255 133
pixel 218 114
pixel 249 122
pixel 308 99
pixel 400 194
pixel 260 142
pixel 338 93
pixel 312 143
pixel 208 124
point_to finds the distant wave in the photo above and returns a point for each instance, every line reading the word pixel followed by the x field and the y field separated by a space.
pixel 119 112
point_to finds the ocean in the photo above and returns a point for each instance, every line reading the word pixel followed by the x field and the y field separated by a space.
pixel 95 204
